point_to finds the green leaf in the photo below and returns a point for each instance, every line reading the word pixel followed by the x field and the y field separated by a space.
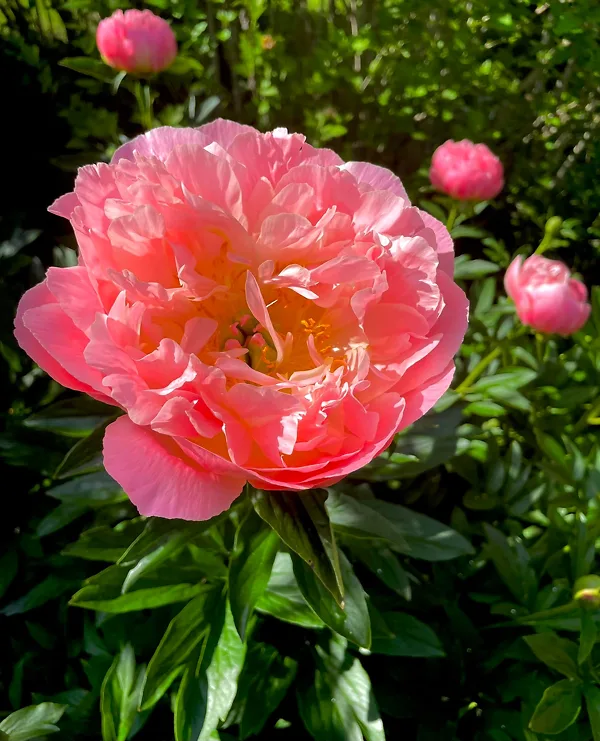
pixel 167 549
pixel 205 697
pixel 472 269
pixel 303 525
pixel 592 702
pixel 588 635
pixel 86 455
pixel 339 705
pixel 427 443
pixel 75 417
pixel 141 599
pixel 407 637
pixel 558 709
pixel 384 564
pixel 183 634
pixel 182 65
pixel 250 567
pixel 49 589
pixel 9 564
pixel 88 66
pixel 105 543
pixel 557 653
pixel 120 696
pixel 352 620
pixel 32 722
pixel 512 564
pixel 263 683
pixel 406 531
pixel 283 599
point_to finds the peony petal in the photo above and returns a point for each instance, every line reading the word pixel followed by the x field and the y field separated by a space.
pixel 159 143
pixel 160 479
pixel 379 178
pixel 40 297
pixel 443 242
pixel 63 341
pixel 223 132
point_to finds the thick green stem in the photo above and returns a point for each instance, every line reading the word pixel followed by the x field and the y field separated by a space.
pixel 478 370
pixel 143 96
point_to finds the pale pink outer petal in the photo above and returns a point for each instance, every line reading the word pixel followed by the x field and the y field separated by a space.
pixel 444 243
pixel 554 309
pixel 51 339
pixel 421 401
pixel 223 131
pixel 511 278
pixel 160 480
pixel 450 328
pixel 379 178
pixel 159 143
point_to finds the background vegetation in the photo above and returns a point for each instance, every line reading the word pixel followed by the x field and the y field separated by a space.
pixel 463 637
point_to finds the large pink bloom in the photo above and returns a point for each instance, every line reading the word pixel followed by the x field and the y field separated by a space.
pixel 261 310
pixel 546 296
pixel 466 171
pixel 136 41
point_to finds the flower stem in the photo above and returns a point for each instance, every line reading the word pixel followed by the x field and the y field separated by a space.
pixel 478 370
pixel 589 417
pixel 544 244
pixel 143 96
pixel 452 217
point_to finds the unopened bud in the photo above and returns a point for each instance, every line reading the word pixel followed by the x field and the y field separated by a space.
pixel 587 590
pixel 553 224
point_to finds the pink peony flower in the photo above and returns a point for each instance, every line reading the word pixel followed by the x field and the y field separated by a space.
pixel 466 171
pixel 136 41
pixel 261 310
pixel 546 296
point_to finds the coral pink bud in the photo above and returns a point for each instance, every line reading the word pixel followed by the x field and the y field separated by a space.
pixel 136 41
pixel 466 171
pixel 546 296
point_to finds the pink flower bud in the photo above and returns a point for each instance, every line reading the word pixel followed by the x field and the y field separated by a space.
pixel 466 171
pixel 136 41
pixel 546 296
